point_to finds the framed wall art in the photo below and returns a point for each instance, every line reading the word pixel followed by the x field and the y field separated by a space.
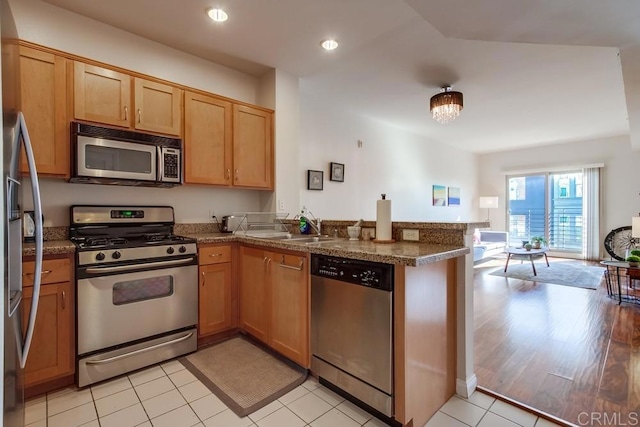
pixel 439 195
pixel 454 196
pixel 314 180
pixel 337 172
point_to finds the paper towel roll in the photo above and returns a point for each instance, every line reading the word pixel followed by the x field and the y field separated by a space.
pixel 383 220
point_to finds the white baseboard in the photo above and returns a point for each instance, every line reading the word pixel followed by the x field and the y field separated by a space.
pixel 466 388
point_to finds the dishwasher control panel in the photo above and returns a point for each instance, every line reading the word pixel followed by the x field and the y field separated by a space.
pixel 365 273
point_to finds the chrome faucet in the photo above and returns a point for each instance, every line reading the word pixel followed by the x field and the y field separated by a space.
pixel 317 226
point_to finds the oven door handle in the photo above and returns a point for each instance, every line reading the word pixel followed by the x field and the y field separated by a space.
pixel 119 268
pixel 142 350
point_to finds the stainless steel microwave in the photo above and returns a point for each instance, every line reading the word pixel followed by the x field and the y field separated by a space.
pixel 114 156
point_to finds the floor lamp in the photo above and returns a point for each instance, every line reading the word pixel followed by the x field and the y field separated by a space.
pixel 488 202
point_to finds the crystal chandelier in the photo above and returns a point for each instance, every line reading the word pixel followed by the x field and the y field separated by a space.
pixel 446 105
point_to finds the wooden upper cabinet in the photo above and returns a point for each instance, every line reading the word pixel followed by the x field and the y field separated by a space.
pixel 207 140
pixel 43 101
pixel 158 107
pixel 105 96
pixel 252 147
pixel 101 95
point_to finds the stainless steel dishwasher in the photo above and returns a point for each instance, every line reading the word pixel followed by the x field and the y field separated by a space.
pixel 352 328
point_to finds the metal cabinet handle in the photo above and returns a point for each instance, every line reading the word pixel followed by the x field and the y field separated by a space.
pixel 299 268
pixel 214 255
pixel 139 116
pixel 126 113
pixel 237 174
pixel 43 272
pixel 204 278
pixel 64 299
pixel 228 174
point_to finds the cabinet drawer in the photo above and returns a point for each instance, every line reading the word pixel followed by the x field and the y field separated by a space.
pixel 214 254
pixel 53 271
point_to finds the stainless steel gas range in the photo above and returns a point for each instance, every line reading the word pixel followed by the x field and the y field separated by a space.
pixel 137 289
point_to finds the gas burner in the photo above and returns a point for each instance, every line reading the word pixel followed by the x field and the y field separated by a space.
pixel 96 241
pixel 151 239
pixel 157 237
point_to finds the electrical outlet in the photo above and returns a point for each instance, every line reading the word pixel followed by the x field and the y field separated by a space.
pixel 368 233
pixel 212 213
pixel 280 205
pixel 413 235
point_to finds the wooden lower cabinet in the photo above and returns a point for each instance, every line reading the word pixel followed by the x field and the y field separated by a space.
pixel 289 313
pixel 52 349
pixel 274 300
pixel 216 299
pixel 254 293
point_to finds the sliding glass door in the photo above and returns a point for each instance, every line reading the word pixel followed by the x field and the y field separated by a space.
pixel 550 206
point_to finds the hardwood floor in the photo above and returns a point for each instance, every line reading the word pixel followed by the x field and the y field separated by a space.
pixel 563 350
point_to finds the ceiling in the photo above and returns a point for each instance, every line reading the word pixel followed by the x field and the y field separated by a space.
pixel 532 72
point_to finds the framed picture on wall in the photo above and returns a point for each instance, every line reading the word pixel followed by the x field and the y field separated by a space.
pixel 454 196
pixel 314 180
pixel 439 195
pixel 337 172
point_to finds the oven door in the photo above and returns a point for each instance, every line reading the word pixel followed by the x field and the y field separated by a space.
pixel 105 158
pixel 116 306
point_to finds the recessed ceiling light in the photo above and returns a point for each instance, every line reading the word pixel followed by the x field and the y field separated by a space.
pixel 329 44
pixel 217 15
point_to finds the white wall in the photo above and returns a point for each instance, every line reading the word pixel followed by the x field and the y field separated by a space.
pixel 286 197
pixel 621 187
pixel 48 25
pixel 191 203
pixel 391 161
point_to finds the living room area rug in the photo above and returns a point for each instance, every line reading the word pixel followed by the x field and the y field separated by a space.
pixel 567 273
pixel 243 375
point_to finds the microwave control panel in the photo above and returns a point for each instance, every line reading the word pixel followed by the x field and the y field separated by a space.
pixel 170 165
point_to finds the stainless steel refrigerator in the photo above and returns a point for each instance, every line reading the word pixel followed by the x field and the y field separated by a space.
pixel 15 137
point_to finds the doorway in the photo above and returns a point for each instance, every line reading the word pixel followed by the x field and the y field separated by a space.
pixel 548 205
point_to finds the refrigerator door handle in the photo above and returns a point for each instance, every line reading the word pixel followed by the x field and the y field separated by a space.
pixel 14 293
pixel 37 208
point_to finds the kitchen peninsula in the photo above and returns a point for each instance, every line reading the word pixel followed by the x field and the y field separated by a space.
pixel 431 301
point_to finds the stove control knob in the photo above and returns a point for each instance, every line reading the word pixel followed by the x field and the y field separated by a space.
pixel 182 249
pixel 99 256
pixel 170 250
pixel 116 255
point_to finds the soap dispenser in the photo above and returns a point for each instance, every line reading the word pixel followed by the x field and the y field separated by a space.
pixel 304 222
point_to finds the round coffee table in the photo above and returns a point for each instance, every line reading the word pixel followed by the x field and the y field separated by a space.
pixel 523 253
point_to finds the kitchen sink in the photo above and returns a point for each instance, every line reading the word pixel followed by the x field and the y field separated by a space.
pixel 297 238
pixel 313 239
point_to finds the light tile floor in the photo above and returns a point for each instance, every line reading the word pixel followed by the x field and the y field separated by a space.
pixel 169 395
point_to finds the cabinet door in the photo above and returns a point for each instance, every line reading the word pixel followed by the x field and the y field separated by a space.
pixel 207 140
pixel 214 299
pixel 289 326
pixel 43 100
pixel 52 348
pixel 252 148
pixel 158 107
pixel 254 292
pixel 101 95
